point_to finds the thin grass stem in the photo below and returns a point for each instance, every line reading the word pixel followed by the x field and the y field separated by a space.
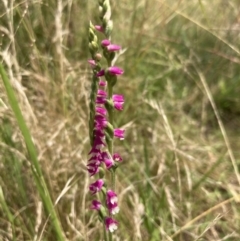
pixel 35 167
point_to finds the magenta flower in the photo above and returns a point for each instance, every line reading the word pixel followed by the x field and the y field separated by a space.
pixel 96 147
pixel 109 163
pixel 101 100
pixel 95 160
pixel 114 70
pixel 96 186
pixel 113 47
pixel 119 133
pixel 98 142
pixel 100 110
pixel 99 28
pixel 111 224
pixel 106 158
pixel 118 98
pixel 99 135
pixel 92 169
pixel 117 157
pixel 102 83
pixel 118 105
pixel 100 122
pixel 101 93
pixel 101 73
pixel 111 197
pixel 118 101
pixel 113 208
pixel 96 205
pixel 105 42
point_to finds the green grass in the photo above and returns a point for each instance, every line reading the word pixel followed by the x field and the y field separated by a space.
pixel 179 179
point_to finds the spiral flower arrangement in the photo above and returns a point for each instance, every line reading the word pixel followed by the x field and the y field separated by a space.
pixel 103 161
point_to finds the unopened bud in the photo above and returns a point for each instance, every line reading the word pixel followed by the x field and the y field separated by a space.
pixel 98 57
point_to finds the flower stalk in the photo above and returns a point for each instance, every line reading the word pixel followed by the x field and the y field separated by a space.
pixel 103 105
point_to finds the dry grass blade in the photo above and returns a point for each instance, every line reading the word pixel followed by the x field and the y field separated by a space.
pixel 210 210
pixel 234 48
pixel 220 123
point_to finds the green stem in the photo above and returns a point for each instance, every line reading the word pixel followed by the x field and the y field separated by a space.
pixel 110 93
pixel 105 233
pixel 110 146
pixel 113 179
pixel 110 236
pixel 8 213
pixel 110 118
pixel 92 106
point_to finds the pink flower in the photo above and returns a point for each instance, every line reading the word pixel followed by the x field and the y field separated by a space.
pixel 101 73
pixel 118 105
pixel 99 135
pixel 98 141
pixel 96 186
pixel 118 98
pixel 100 122
pixel 109 163
pixel 118 101
pixel 114 70
pixel 117 157
pixel 99 28
pixel 96 205
pixel 107 160
pixel 100 110
pixel 113 208
pixel 111 197
pixel 111 224
pixel 102 83
pixel 113 47
pixel 92 169
pixel 101 93
pixel 105 42
pixel 101 100
pixel 92 62
pixel 95 159
pixel 119 133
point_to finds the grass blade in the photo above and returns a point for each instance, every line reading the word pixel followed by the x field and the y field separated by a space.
pixel 36 170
